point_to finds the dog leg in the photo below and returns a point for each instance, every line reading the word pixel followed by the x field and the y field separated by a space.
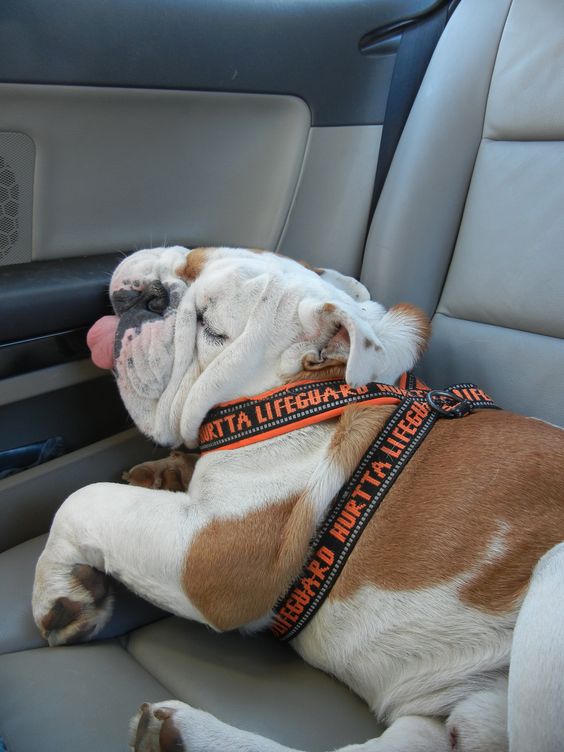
pixel 479 723
pixel 173 725
pixel 172 473
pixel 536 673
pixel 137 535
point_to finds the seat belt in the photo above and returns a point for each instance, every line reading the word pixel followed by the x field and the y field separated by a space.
pixel 415 50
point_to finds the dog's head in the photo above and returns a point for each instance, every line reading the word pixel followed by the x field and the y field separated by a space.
pixel 194 328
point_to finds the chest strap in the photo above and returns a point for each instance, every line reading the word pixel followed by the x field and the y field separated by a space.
pixel 360 497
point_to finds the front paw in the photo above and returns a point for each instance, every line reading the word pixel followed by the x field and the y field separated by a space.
pixel 173 473
pixel 173 726
pixel 153 729
pixel 70 604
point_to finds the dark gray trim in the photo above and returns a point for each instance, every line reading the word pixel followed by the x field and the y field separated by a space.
pixel 45 297
pixel 307 48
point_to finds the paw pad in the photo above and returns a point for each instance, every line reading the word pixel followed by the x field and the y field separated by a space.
pixel 157 722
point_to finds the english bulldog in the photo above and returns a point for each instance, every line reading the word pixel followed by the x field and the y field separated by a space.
pixel 447 617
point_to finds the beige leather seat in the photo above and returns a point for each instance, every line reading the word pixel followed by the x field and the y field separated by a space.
pixel 470 226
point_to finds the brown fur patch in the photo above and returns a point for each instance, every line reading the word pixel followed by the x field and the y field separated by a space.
pixel 93 580
pixel 331 370
pixel 142 727
pixel 172 473
pixel 355 431
pixel 311 268
pixel 470 482
pixel 170 738
pixel 237 568
pixel 195 262
pixel 63 612
pixel 310 364
pixel 420 319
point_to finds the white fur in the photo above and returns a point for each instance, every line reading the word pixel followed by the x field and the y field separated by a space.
pixel 536 677
pixel 480 721
pixel 409 654
pixel 415 652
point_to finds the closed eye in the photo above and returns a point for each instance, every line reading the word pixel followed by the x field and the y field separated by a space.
pixel 209 333
pixel 214 337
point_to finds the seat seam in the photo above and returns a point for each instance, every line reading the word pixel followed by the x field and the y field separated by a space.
pixel 497 326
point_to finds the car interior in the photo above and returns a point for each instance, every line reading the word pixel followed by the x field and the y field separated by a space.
pixel 128 124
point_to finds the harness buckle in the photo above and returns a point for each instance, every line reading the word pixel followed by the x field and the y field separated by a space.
pixel 448 405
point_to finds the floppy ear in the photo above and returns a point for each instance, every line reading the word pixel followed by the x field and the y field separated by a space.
pixel 347 284
pixel 350 285
pixel 237 369
pixel 375 344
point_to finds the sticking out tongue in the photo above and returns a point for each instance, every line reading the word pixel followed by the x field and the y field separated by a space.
pixel 100 340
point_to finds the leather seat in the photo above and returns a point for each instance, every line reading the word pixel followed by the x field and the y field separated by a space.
pixel 470 224
pixel 470 227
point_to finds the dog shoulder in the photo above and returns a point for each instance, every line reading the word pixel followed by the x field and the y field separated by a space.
pixel 481 499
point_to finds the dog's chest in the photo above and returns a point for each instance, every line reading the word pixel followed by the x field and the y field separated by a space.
pixel 413 651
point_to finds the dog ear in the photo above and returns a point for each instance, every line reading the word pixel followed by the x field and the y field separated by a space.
pixel 375 344
pixel 347 284
pixel 350 285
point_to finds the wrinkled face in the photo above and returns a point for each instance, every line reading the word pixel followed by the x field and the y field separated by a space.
pixel 194 328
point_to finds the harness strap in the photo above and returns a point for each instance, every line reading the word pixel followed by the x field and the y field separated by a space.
pixel 242 422
pixel 360 497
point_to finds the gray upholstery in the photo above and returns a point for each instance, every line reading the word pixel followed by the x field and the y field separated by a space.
pixel 470 227
pixel 471 220
pixel 418 216
pixel 180 157
pixel 56 699
pixel 17 567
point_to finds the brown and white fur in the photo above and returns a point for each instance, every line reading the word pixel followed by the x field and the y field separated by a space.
pixel 447 574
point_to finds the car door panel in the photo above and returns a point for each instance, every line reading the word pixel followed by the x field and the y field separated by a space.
pixel 124 168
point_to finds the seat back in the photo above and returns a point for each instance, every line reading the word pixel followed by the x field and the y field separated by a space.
pixel 470 224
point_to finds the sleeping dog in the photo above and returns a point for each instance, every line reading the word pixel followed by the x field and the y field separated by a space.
pixel 457 577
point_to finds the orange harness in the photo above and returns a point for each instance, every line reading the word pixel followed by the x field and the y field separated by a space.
pixel 242 422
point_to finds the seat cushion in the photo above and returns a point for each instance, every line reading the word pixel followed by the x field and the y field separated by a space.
pixel 76 698
pixel 82 696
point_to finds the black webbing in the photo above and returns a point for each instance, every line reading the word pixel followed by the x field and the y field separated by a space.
pixel 415 50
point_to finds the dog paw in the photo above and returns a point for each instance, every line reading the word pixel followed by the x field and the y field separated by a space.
pixel 173 473
pixel 81 609
pixel 153 729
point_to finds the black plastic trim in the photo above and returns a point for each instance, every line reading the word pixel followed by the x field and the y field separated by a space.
pixel 306 48
pixel 46 297
pixel 375 37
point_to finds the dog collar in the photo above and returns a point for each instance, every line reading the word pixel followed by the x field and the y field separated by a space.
pixel 245 421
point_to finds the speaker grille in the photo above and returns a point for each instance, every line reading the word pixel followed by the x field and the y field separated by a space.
pixel 17 158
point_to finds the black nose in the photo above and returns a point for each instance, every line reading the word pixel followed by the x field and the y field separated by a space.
pixel 153 298
pixel 123 300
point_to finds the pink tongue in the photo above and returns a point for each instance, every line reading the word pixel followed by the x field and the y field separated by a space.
pixel 100 340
